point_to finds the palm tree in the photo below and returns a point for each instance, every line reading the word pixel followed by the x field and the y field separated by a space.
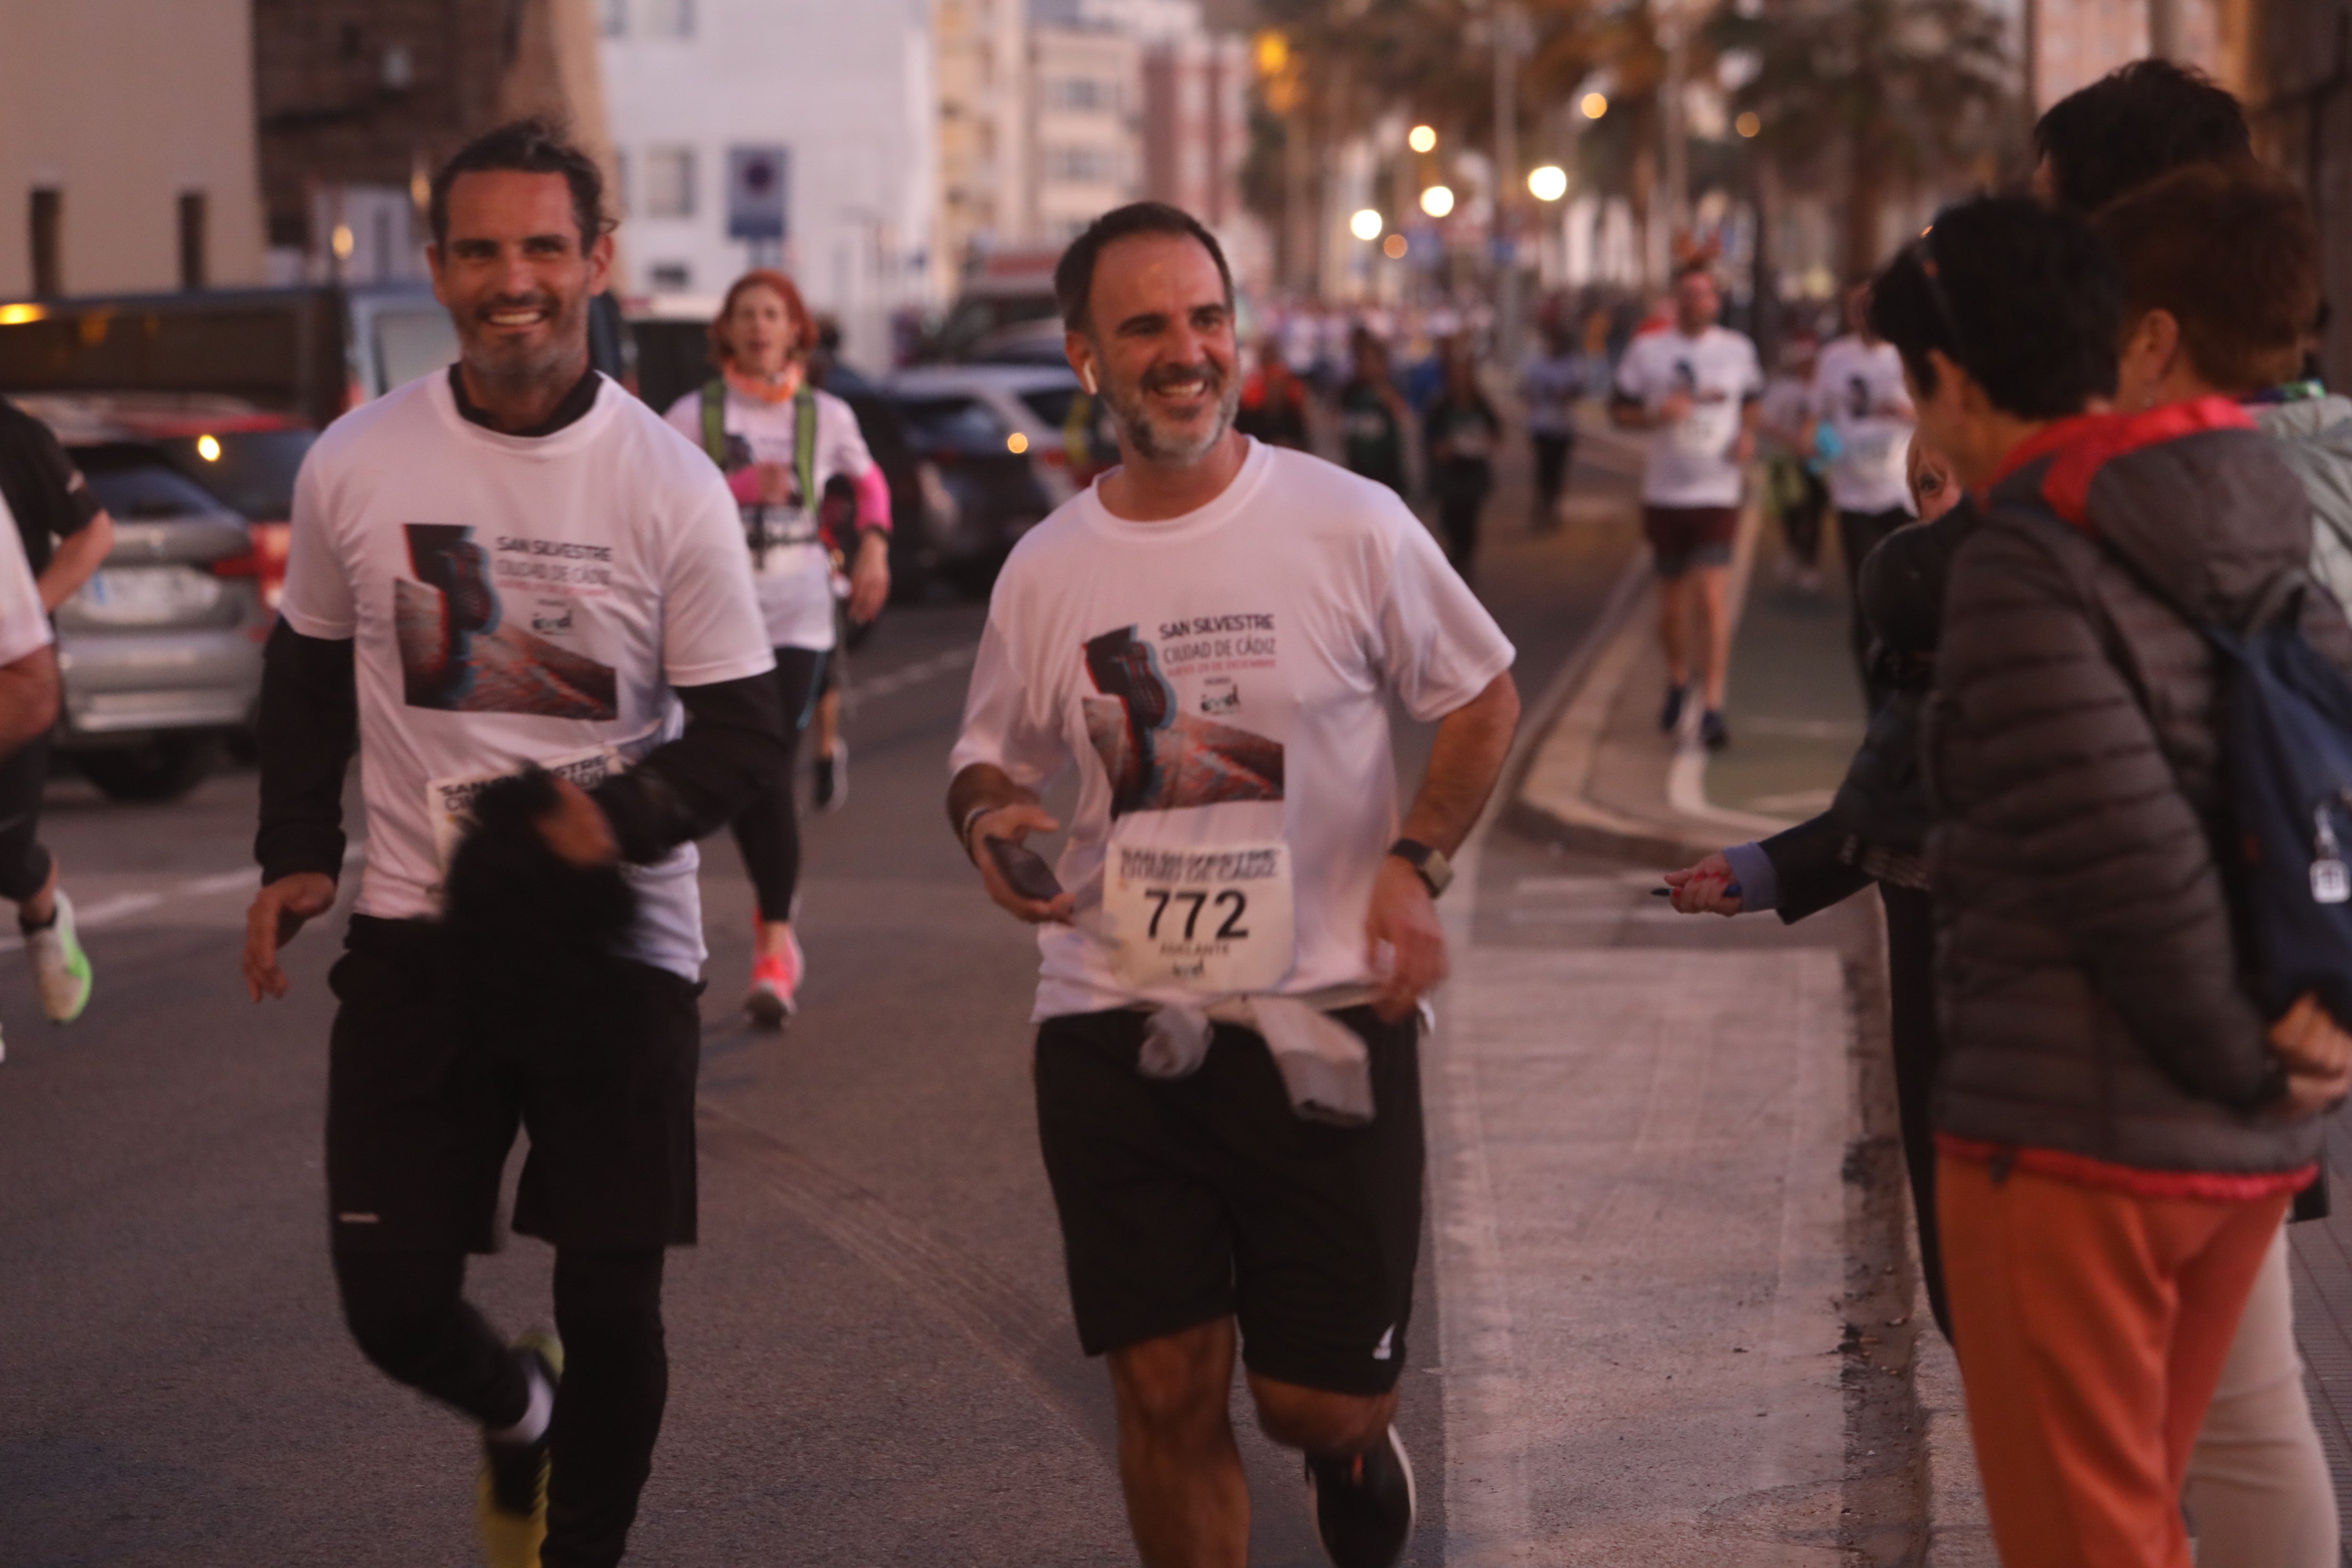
pixel 1893 93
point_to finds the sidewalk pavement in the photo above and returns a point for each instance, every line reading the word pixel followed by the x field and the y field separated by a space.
pixel 1678 1315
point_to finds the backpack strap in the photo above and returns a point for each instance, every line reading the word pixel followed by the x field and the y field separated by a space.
pixel 2280 604
pixel 804 446
pixel 714 420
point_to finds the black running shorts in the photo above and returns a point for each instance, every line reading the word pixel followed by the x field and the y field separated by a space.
pixel 1183 1202
pixel 421 1118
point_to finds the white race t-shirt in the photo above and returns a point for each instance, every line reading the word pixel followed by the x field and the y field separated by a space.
pixel 1858 392
pixel 517 599
pixel 1221 681
pixel 1692 462
pixel 794 580
pixel 24 625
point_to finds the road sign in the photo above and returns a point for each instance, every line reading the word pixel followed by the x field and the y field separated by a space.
pixel 759 191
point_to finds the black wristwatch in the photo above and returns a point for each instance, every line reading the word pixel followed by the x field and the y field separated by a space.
pixel 1436 871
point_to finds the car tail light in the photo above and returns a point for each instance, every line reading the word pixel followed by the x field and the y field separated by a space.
pixel 266 562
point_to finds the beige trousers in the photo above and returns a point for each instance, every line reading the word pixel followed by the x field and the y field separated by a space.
pixel 2258 1491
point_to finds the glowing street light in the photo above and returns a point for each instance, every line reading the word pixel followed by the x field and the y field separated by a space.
pixel 1422 138
pixel 1747 124
pixel 1437 201
pixel 1595 105
pixel 1548 184
pixel 1395 247
pixel 1367 225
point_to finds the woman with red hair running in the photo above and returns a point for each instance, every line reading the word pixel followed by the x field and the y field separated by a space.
pixel 787 450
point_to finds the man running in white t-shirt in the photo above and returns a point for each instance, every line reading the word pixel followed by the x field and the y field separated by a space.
pixel 1859 397
pixel 1227 1089
pixel 1695 386
pixel 513 563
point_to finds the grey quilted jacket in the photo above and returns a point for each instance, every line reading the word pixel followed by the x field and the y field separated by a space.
pixel 2085 972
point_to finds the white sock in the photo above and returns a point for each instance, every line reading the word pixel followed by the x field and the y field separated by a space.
pixel 535 1414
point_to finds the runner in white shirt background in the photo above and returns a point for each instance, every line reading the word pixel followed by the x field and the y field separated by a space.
pixel 28 662
pixel 514 563
pixel 781 443
pixel 1858 396
pixel 1225 1068
pixel 1695 386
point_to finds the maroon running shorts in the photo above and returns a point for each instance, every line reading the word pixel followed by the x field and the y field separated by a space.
pixel 1682 537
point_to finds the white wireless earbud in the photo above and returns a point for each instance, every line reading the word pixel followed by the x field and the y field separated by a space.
pixel 1086 374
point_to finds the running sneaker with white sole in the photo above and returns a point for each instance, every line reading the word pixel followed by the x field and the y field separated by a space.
pixel 774 997
pixel 1363 1504
pixel 510 1504
pixel 60 968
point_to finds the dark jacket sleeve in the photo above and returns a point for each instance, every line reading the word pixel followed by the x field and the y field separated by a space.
pixel 733 743
pixel 1809 861
pixel 308 729
pixel 2064 812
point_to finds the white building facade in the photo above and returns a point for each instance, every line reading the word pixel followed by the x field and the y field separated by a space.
pixel 792 133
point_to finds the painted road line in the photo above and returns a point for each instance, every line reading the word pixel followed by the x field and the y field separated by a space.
pixel 118 908
pixel 908 676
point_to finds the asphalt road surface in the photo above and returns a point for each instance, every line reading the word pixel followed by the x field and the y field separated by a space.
pixel 872 1359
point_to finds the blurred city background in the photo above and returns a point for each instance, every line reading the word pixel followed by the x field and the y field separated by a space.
pixel 212 223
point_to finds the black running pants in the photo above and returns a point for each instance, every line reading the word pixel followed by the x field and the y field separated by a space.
pixel 409 1314
pixel 1551 473
pixel 768 830
pixel 24 863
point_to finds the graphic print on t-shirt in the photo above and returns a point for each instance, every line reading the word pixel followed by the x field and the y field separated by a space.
pixel 461 653
pixel 1160 758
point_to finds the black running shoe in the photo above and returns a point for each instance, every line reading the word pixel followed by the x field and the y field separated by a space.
pixel 1711 733
pixel 1671 714
pixel 1363 1504
pixel 511 1510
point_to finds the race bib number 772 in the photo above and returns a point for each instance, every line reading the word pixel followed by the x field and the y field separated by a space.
pixel 1211 920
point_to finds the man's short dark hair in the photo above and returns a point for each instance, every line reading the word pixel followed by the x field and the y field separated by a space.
pixel 1074 275
pixel 2025 299
pixel 533 146
pixel 2231 251
pixel 2146 119
pixel 1695 266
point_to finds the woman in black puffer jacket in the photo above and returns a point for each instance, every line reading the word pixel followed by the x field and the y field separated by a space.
pixel 1875 830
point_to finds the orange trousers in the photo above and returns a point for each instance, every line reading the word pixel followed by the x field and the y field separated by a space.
pixel 2092 1326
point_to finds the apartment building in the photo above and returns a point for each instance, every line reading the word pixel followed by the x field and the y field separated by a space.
pixel 127 156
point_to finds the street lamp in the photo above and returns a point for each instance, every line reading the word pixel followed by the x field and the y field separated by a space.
pixel 1422 138
pixel 1437 201
pixel 1595 105
pixel 1367 225
pixel 1747 124
pixel 1548 184
pixel 1395 247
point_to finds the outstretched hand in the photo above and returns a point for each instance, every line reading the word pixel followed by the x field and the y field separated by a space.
pixel 1705 889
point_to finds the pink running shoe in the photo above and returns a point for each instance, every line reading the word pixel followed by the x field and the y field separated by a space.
pixel 776 986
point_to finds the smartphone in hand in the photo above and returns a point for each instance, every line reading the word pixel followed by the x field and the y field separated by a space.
pixel 1024 871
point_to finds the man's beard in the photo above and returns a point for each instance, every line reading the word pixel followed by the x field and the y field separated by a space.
pixel 1162 446
pixel 518 365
